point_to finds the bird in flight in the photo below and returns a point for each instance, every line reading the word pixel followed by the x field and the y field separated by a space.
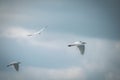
pixel 38 32
pixel 80 45
pixel 15 64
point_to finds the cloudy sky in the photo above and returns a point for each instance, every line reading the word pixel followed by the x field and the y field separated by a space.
pixel 47 57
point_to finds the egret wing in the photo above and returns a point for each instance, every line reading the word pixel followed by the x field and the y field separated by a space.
pixel 16 66
pixel 39 32
pixel 81 48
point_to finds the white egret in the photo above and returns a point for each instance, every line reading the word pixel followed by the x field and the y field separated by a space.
pixel 80 45
pixel 15 64
pixel 38 32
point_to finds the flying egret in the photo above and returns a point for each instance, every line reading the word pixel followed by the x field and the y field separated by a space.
pixel 80 45
pixel 15 64
pixel 38 32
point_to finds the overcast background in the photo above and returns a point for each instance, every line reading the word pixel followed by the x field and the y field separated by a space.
pixel 47 57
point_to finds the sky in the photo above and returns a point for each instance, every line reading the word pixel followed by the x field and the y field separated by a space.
pixel 47 56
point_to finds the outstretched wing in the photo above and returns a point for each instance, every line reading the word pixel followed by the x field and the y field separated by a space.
pixel 81 48
pixel 16 66
pixel 39 32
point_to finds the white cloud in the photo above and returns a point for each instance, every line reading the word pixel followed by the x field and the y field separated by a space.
pixel 36 73
pixel 99 54
pixel 49 40
pixel 57 74
pixel 60 41
pixel 15 32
